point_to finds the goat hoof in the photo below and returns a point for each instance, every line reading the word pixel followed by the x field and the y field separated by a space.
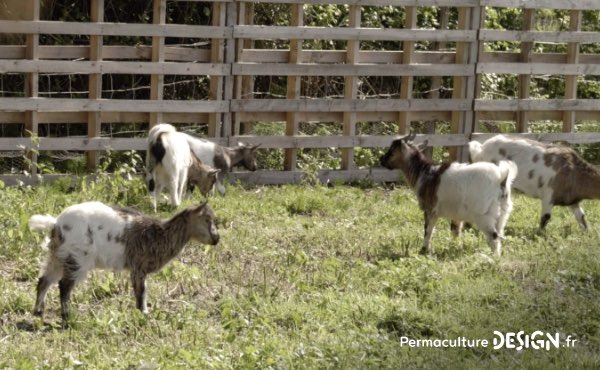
pixel 423 251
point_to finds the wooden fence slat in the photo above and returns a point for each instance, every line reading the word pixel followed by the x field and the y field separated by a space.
pixel 341 105
pixel 114 29
pixel 73 105
pixel 157 80
pixel 524 78
pixel 267 142
pixel 538 104
pixel 339 56
pixel 94 119
pixel 113 52
pixel 32 43
pixel 68 67
pixel 274 69
pixel 294 84
pixel 525 68
pixel 406 82
pixel 356 34
pixel 538 36
pixel 569 118
pixel 350 88
pixel 543 4
pixel 278 142
pixel 457 3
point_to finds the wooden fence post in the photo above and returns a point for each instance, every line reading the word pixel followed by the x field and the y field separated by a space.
pixel 157 81
pixel 524 81
pixel 217 55
pixel 569 117
pixel 466 53
pixel 244 85
pixel 227 81
pixel 478 48
pixel 32 78
pixel 293 88
pixel 351 87
pixel 95 82
pixel 406 82
pixel 436 81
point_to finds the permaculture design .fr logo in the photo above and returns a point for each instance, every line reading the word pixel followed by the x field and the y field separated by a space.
pixel 510 340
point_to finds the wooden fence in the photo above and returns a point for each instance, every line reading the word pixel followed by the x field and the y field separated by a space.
pixel 233 62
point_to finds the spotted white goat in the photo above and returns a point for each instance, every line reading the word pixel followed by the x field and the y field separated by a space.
pixel 476 193
pixel 93 235
pixel 171 163
pixel 222 157
pixel 555 174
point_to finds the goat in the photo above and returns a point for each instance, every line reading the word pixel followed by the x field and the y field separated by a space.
pixel 555 174
pixel 223 158
pixel 94 235
pixel 169 161
pixel 201 176
pixel 476 193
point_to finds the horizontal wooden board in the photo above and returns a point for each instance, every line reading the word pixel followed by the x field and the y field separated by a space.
pixel 276 69
pixel 538 36
pixel 114 29
pixel 114 105
pixel 348 105
pixel 343 33
pixel 266 142
pixel 507 57
pixel 109 52
pixel 538 104
pixel 377 116
pixel 340 142
pixel 339 56
pixel 539 68
pixel 63 66
pixel 457 3
pixel 543 4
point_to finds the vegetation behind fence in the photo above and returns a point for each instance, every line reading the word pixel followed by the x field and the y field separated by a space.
pixel 321 85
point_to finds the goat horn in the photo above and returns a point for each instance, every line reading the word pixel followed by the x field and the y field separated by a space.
pixel 411 136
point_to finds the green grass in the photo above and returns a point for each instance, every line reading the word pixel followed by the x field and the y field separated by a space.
pixel 308 277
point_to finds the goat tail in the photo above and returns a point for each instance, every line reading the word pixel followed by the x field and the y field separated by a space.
pixel 41 222
pixel 475 149
pixel 509 171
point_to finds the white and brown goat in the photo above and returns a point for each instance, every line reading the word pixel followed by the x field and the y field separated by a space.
pixel 476 193
pixel 555 174
pixel 93 235
pixel 170 163
pixel 222 157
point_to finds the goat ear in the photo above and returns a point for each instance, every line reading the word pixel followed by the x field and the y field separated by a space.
pixel 410 137
pixel 423 145
pixel 254 147
pixel 213 172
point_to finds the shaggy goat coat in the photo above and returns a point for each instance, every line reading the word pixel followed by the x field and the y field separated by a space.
pixel 93 235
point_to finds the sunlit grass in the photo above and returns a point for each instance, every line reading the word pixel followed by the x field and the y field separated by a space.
pixel 309 277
